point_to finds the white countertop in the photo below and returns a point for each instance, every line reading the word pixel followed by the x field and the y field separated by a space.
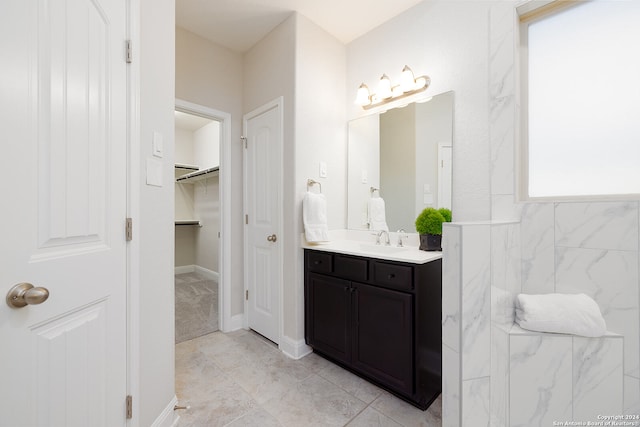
pixel 364 244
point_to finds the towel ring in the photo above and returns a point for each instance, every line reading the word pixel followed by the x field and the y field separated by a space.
pixel 311 182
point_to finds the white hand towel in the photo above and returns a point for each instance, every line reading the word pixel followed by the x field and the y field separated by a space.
pixel 560 313
pixel 314 217
pixel 377 214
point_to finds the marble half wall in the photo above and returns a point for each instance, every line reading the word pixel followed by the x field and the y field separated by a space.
pixel 466 319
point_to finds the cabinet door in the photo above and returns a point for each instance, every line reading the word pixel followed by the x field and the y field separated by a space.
pixel 328 316
pixel 383 335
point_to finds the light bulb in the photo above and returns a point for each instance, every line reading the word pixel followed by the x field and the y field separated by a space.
pixel 407 80
pixel 362 97
pixel 384 87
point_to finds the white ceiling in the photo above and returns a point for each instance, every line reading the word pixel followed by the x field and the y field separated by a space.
pixel 190 122
pixel 239 24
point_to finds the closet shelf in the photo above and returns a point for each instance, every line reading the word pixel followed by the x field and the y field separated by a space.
pixel 198 175
pixel 185 167
pixel 191 222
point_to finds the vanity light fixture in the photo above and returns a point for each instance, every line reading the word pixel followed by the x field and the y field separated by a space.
pixel 386 92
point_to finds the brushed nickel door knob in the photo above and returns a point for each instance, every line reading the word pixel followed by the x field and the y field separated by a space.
pixel 272 238
pixel 24 294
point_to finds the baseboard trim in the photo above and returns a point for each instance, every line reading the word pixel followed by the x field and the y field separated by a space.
pixel 168 417
pixel 233 323
pixel 185 269
pixel 208 274
pixel 294 349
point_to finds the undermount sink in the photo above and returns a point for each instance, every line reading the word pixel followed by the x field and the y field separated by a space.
pixel 382 249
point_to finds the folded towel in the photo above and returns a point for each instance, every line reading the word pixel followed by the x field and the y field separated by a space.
pixel 377 214
pixel 314 217
pixel 560 313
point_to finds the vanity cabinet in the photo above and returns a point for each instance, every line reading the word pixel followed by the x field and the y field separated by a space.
pixel 380 319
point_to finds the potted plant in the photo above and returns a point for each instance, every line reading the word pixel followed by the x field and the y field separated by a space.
pixel 429 226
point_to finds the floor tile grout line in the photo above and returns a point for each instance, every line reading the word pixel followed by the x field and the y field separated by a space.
pixel 250 344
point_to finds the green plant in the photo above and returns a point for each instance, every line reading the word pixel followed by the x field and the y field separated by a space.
pixel 446 213
pixel 430 221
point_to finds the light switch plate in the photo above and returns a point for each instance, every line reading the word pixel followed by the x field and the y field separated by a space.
pixel 323 170
pixel 154 172
pixel 158 144
pixel 365 177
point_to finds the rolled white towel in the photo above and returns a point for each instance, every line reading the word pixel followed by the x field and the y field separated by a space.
pixel 576 314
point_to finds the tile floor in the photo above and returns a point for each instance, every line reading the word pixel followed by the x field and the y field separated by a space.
pixel 242 379
pixel 196 306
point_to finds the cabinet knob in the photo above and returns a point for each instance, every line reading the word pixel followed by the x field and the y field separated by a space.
pixel 316 262
pixel 391 276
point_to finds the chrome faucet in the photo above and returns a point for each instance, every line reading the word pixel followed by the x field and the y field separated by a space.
pixel 400 233
pixel 380 233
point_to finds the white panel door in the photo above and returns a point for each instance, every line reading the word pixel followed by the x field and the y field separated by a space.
pixel 263 205
pixel 444 174
pixel 63 169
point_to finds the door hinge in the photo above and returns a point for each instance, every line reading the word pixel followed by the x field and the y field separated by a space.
pixel 246 295
pixel 129 404
pixel 129 53
pixel 246 219
pixel 128 229
pixel 244 139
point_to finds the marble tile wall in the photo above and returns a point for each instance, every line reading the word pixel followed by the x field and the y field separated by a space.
pixel 503 107
pixel 505 285
pixel 466 319
pixel 505 272
pixel 565 247
pixel 563 378
pixel 593 248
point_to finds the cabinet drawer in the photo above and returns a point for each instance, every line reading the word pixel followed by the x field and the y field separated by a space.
pixel 351 268
pixel 319 262
pixel 393 276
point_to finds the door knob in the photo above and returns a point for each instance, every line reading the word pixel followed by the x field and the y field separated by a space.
pixel 24 294
pixel 272 238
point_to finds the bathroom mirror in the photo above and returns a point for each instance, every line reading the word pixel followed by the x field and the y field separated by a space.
pixel 404 155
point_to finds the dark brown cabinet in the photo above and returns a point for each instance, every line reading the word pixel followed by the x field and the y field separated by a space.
pixel 380 319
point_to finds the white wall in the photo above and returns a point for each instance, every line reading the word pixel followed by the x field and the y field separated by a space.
pixel 207 209
pixel 434 124
pixel 184 195
pixel 447 41
pixel 320 135
pixel 398 166
pixel 363 158
pixel 269 72
pixel 206 202
pixel 154 209
pixel 210 75
pixel 206 146
pixel 301 62
pixel 184 146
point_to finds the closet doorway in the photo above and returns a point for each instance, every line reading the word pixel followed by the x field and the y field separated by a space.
pixel 202 206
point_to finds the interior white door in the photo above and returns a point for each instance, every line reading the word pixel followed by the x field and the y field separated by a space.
pixel 262 188
pixel 444 174
pixel 63 168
